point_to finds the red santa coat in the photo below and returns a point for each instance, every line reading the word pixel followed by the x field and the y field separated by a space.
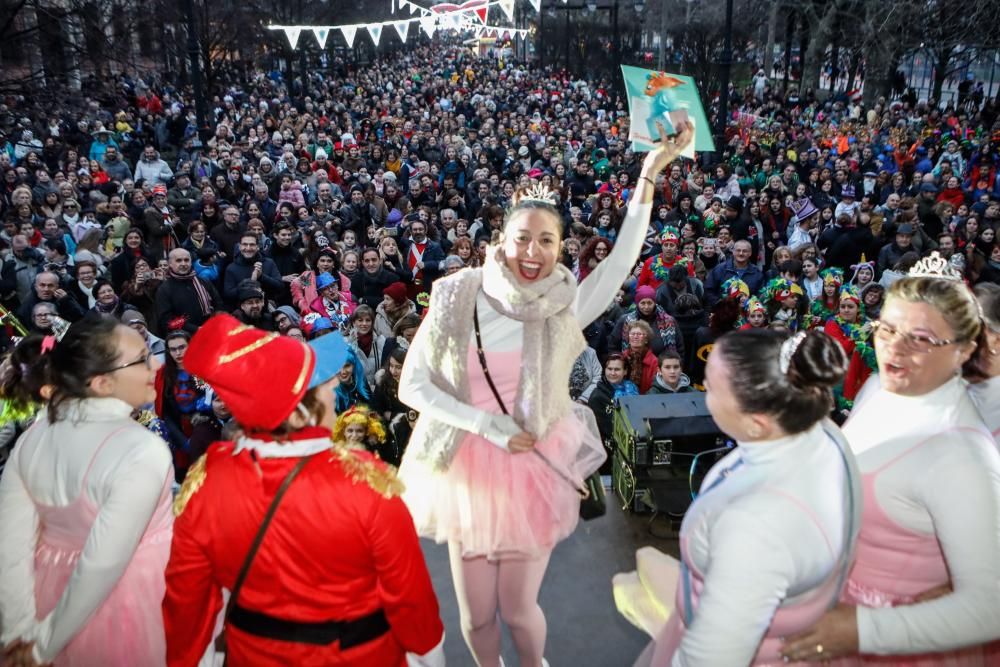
pixel 340 547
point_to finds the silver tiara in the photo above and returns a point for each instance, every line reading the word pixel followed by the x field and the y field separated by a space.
pixel 540 193
pixel 788 349
pixel 935 266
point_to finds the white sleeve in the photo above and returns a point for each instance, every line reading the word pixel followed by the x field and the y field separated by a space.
pixel 746 579
pixel 962 494
pixel 132 492
pixel 417 390
pixel 595 371
pixel 597 291
pixel 433 658
pixel 19 524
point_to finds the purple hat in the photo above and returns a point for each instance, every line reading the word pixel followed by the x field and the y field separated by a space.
pixel 804 208
pixel 847 192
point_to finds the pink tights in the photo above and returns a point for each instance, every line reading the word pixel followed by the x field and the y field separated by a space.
pixel 511 587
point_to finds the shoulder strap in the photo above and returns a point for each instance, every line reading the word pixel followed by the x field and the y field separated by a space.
pixel 248 561
pixel 482 360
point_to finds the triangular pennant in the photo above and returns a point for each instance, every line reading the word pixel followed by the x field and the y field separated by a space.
pixel 481 13
pixel 507 6
pixel 537 4
pixel 402 29
pixel 293 36
pixel 413 8
pixel 322 34
pixel 349 31
pixel 428 25
pixel 376 33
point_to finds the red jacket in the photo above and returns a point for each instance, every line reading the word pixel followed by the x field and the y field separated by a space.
pixel 340 547
pixel 953 196
pixel 647 277
pixel 650 367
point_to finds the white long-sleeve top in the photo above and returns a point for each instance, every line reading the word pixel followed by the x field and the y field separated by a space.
pixel 503 334
pixel 948 487
pixel 48 466
pixel 986 396
pixel 774 529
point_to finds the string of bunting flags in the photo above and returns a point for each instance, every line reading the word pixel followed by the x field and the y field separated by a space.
pixel 439 17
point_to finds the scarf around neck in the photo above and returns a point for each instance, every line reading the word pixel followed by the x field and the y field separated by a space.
pixel 552 341
pixel 204 300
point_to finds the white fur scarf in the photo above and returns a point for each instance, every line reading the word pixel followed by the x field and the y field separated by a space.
pixel 552 342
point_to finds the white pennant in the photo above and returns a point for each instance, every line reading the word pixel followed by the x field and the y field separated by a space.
pixel 537 4
pixel 507 6
pixel 322 34
pixel 427 24
pixel 376 33
pixel 293 36
pixel 402 29
pixel 414 8
pixel 349 31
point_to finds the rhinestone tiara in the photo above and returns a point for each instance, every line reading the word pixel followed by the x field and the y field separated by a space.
pixel 935 266
pixel 539 193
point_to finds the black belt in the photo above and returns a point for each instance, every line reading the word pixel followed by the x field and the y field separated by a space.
pixel 349 633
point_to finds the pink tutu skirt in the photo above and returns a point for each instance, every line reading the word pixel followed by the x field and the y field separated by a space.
pixel 502 505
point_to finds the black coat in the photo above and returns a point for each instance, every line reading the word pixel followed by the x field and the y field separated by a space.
pixel 602 403
pixel 433 257
pixel 67 308
pixel 367 288
pixel 177 298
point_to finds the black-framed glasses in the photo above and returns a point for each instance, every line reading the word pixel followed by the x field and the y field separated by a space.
pixel 146 359
pixel 910 341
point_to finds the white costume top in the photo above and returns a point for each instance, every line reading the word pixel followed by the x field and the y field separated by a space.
pixel 503 334
pixel 773 530
pixel 986 396
pixel 948 486
pixel 48 466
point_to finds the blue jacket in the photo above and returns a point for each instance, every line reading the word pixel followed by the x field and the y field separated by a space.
pixel 752 276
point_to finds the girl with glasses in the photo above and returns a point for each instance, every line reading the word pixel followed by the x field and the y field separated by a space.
pixel 85 503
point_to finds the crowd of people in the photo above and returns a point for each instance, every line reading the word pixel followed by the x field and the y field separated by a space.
pixel 338 211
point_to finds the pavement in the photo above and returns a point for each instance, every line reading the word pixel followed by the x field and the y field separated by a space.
pixel 584 628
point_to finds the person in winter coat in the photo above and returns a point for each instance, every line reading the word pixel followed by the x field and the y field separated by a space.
pixel 250 265
pixel 152 169
pixel 393 308
pixel 370 347
pixel 614 385
pixel 739 266
pixel 670 379
pixel 665 334
pixel 332 302
pixel 368 285
pixel 640 354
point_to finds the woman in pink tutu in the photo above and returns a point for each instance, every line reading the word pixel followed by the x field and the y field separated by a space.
pixel 85 504
pixel 923 589
pixel 499 488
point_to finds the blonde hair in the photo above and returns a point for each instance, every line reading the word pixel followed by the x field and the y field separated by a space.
pixel 359 415
pixel 951 298
pixel 644 327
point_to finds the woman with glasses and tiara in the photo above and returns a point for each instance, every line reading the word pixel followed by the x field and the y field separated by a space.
pixel 923 588
pixel 84 503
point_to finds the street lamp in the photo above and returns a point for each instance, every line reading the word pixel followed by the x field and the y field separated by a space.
pixel 640 6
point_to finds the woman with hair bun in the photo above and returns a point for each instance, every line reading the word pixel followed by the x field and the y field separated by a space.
pixel 84 503
pixel 767 545
pixel 500 450
pixel 923 588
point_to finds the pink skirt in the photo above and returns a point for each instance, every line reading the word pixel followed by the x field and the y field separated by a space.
pixel 502 505
pixel 126 630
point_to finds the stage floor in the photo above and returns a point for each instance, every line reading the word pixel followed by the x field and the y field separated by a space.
pixel 584 628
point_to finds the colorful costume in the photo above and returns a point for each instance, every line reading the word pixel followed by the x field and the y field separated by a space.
pixel 656 270
pixel 369 604
pixel 855 338
pixel 85 505
pixel 823 307
pixel 775 293
pixel 931 518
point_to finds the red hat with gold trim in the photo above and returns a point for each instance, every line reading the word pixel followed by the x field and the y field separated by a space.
pixel 259 375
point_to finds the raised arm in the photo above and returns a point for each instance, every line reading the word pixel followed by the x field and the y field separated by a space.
pixel 597 290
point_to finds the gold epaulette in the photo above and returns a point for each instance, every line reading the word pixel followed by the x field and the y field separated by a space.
pixel 192 482
pixel 380 477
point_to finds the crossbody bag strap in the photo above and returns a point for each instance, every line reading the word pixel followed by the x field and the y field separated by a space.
pixel 248 561
pixel 582 490
pixel 482 360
